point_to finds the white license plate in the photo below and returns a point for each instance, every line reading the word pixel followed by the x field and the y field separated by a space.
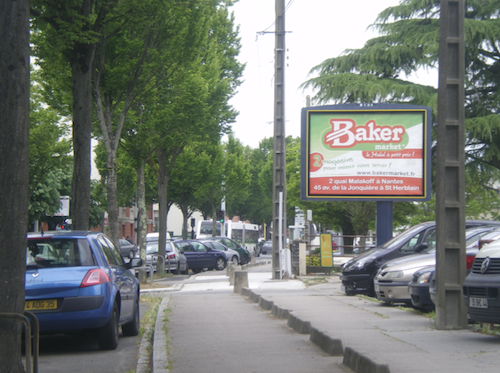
pixel 410 290
pixel 377 288
pixel 478 302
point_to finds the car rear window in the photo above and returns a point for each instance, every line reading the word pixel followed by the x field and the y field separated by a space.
pixel 59 252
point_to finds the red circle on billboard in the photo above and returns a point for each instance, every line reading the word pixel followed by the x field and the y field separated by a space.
pixel 315 161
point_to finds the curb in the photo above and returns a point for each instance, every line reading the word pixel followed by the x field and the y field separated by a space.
pixel 358 361
pixel 159 359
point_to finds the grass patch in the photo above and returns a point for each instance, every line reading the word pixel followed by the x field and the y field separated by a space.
pixel 485 328
pixel 149 318
pixel 316 281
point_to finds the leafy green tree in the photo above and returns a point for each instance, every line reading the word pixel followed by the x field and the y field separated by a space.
pixel 408 42
pixel 203 78
pixel 259 205
pixel 14 111
pixel 65 35
pixel 50 161
pixel 132 59
pixel 188 177
pixel 236 178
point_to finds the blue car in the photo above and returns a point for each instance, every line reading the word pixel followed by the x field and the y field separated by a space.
pixel 200 256
pixel 77 281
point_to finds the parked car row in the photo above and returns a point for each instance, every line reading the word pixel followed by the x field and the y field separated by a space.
pixel 197 255
pixel 403 270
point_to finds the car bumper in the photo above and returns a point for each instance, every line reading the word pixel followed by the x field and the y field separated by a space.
pixel 74 314
pixel 357 283
pixel 486 289
pixel 420 296
pixel 395 292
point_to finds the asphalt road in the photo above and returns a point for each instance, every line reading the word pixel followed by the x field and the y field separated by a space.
pixel 81 354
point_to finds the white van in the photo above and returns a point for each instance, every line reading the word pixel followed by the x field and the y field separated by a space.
pixel 155 235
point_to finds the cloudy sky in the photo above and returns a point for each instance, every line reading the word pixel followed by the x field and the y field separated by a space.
pixel 317 30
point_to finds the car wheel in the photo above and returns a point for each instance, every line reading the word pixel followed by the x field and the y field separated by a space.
pixel 178 269
pixel 196 270
pixel 108 335
pixel 245 260
pixel 131 254
pixel 132 328
pixel 220 264
pixel 234 259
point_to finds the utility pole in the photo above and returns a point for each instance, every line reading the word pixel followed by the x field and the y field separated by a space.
pixel 279 156
pixel 451 312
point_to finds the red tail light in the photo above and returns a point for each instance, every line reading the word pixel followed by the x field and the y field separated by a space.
pixel 171 256
pixel 94 277
pixel 470 261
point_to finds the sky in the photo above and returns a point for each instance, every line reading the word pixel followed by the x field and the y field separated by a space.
pixel 316 30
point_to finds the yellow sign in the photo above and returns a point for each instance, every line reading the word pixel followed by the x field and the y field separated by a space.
pixel 326 250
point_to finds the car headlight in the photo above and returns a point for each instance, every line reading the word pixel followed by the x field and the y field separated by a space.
pixel 424 277
pixel 393 274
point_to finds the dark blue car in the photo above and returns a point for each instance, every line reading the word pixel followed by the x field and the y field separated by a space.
pixel 78 281
pixel 199 256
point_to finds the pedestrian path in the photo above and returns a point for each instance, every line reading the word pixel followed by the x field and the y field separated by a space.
pixel 211 329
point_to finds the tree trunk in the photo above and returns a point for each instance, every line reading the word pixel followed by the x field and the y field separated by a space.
pixel 81 60
pixel 162 202
pixel 111 180
pixel 14 111
pixel 141 211
pixel 185 217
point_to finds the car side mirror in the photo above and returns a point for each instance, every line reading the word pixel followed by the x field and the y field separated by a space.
pixel 421 247
pixel 135 262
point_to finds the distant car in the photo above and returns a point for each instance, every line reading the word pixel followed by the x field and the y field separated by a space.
pixel 391 281
pixel 358 273
pixel 200 256
pixel 231 255
pixel 245 255
pixel 175 260
pixel 153 236
pixel 267 248
pixel 77 281
pixel 127 249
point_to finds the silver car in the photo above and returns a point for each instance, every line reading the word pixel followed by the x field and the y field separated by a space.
pixel 232 255
pixel 175 260
pixel 391 281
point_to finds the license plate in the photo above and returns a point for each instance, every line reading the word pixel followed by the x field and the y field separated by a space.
pixel 410 290
pixel 37 305
pixel 377 288
pixel 478 302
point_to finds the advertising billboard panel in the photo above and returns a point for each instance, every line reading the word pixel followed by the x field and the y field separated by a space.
pixel 375 152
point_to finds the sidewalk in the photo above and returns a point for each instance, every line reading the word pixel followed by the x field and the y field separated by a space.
pixel 253 331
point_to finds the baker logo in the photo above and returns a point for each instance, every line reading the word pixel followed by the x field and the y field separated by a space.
pixel 345 133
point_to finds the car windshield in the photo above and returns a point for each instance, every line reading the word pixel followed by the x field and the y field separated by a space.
pixel 402 237
pixel 58 252
pixel 152 247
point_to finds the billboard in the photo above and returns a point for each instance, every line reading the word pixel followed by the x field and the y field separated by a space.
pixel 369 152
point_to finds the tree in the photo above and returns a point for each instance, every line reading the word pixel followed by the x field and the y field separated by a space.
pixel 236 178
pixel 132 58
pixel 49 159
pixel 409 43
pixel 65 36
pixel 14 111
pixel 204 76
